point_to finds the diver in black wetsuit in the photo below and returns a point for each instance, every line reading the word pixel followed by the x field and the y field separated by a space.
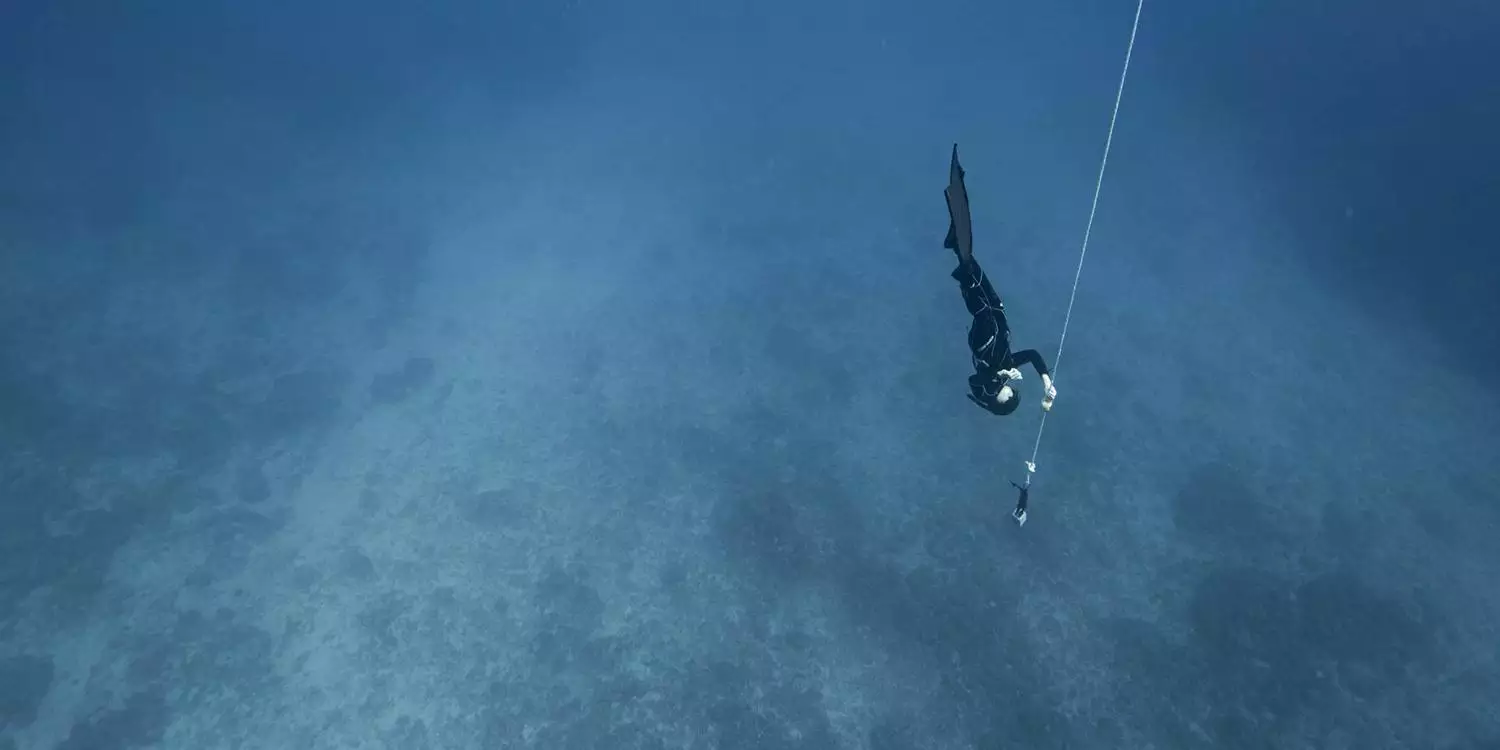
pixel 996 367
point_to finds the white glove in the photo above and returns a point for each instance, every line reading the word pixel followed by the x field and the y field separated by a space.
pixel 1049 393
pixel 1011 374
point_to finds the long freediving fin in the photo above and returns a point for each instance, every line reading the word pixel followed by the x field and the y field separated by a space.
pixel 960 228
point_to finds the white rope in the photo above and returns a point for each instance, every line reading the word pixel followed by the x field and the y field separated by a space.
pixel 1088 231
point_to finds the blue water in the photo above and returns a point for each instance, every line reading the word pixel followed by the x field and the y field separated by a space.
pixel 589 375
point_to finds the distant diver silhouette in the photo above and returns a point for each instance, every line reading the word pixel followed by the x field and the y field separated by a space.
pixel 1019 514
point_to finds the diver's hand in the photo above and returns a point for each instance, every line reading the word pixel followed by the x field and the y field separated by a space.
pixel 1049 393
pixel 1011 374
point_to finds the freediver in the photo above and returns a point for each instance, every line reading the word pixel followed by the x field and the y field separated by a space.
pixel 996 367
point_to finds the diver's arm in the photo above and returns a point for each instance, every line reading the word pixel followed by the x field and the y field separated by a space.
pixel 1034 358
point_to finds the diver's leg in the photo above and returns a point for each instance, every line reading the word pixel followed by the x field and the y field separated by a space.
pixel 975 286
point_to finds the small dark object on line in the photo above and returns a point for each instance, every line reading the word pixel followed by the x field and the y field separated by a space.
pixel 1019 514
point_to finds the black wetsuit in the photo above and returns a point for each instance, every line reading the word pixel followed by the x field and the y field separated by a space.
pixel 989 337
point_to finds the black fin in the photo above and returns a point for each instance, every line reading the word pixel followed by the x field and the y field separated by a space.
pixel 960 228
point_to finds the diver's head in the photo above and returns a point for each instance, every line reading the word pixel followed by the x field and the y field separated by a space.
pixel 1007 400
